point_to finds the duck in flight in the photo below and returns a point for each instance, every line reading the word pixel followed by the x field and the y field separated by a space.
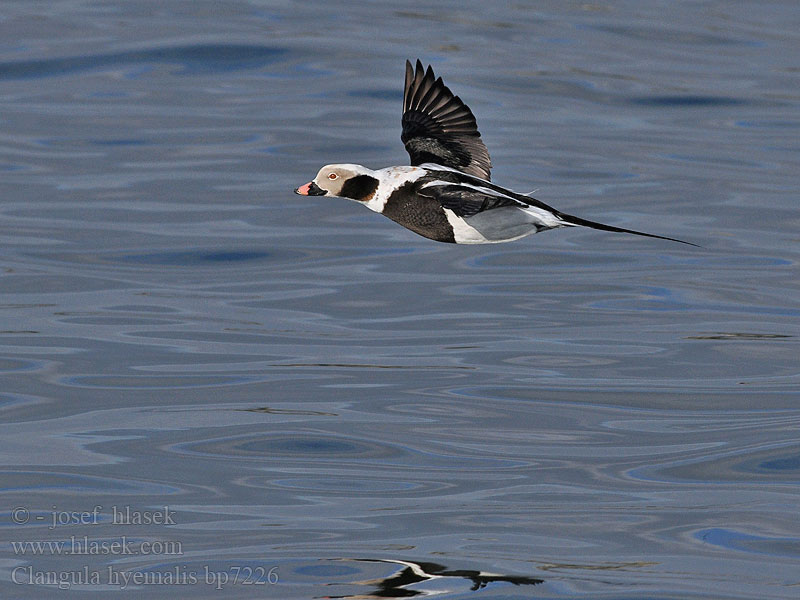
pixel 446 194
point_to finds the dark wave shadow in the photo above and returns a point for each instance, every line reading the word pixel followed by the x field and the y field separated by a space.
pixel 410 573
pixel 194 59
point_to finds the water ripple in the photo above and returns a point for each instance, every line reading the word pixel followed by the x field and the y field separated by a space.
pixel 194 59
pixel 310 387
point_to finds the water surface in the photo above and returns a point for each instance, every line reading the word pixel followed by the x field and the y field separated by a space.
pixel 304 399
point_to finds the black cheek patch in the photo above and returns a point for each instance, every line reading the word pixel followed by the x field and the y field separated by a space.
pixel 360 187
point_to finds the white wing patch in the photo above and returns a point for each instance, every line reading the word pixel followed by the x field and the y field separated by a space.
pixel 438 167
pixel 478 188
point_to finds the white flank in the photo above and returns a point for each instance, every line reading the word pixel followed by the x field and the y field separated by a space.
pixel 463 232
pixel 389 179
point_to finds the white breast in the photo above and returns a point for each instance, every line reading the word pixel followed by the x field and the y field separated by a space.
pixel 389 179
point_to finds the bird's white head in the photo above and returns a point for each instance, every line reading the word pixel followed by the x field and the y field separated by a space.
pixel 343 180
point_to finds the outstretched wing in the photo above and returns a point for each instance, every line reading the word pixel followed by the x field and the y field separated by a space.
pixel 438 127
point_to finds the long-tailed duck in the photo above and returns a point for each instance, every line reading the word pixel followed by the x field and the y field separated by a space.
pixel 446 194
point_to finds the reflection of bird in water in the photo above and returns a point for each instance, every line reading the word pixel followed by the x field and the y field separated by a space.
pixel 396 585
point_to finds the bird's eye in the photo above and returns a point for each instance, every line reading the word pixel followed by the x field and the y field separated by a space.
pixel 333 176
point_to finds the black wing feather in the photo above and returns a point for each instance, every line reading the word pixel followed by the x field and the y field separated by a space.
pixel 466 202
pixel 438 127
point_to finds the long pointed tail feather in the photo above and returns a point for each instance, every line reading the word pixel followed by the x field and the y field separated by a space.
pixel 577 221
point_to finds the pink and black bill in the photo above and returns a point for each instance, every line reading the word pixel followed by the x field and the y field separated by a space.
pixel 310 189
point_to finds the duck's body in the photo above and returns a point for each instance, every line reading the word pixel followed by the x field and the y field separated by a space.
pixel 446 195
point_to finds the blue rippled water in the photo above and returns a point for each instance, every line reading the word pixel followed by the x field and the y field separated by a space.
pixel 213 387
